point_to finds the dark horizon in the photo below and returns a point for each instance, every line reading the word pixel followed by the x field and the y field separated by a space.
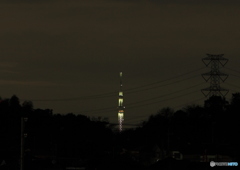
pixel 189 138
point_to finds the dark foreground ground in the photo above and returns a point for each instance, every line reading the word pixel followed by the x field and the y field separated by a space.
pixel 115 164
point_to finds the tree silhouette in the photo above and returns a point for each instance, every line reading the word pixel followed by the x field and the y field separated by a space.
pixel 68 138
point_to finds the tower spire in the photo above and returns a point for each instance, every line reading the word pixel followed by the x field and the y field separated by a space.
pixel 120 105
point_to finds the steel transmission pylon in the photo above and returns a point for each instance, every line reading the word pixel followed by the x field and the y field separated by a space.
pixel 215 76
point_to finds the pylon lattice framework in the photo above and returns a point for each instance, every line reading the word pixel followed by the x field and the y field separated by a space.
pixel 215 76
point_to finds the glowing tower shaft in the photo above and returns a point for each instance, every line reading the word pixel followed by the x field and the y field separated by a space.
pixel 120 105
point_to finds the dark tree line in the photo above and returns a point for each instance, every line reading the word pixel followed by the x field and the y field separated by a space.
pixel 49 136
pixel 214 126
pixel 69 139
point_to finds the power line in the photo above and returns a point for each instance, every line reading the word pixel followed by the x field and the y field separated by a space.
pixel 233 85
pixel 232 69
pixel 167 94
pixel 175 107
pixel 161 81
pixel 178 81
pixel 137 103
pixel 235 75
pixel 111 108
pixel 165 99
pixel 110 94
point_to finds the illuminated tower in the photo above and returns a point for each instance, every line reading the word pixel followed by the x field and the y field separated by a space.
pixel 120 105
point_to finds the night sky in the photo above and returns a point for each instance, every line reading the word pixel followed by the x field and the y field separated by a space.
pixel 67 55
